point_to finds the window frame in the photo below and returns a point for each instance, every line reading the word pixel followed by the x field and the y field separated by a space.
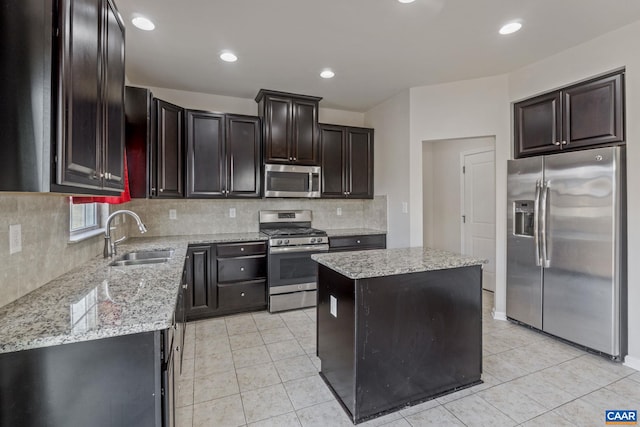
pixel 82 233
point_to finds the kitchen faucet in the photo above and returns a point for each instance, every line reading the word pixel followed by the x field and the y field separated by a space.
pixel 109 247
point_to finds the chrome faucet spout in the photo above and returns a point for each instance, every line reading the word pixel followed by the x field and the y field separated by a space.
pixel 109 246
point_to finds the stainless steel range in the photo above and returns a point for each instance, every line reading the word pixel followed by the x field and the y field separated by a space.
pixel 292 278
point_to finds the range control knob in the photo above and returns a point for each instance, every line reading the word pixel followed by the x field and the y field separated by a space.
pixel 319 240
pixel 279 242
pixel 312 240
pixel 286 242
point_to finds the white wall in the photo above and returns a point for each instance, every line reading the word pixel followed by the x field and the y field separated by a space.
pixel 611 51
pixel 441 190
pixel 229 104
pixel 391 123
pixel 465 109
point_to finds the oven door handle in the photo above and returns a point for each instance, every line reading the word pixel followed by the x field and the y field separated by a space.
pixel 301 248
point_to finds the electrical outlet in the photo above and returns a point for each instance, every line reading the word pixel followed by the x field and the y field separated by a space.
pixel 173 214
pixel 339 211
pixel 405 207
pixel 232 212
pixel 15 239
pixel 333 306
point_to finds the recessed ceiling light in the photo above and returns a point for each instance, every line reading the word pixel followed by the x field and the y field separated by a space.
pixel 228 57
pixel 509 28
pixel 327 74
pixel 143 23
pixel 406 1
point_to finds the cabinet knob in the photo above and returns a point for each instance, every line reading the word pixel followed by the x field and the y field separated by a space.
pixel 241 249
pixel 295 158
pixel 357 241
pixel 564 143
pixel 241 294
pixel 290 158
pixel 161 190
pixel 178 348
pixel 241 268
pixel 185 286
pixel 556 143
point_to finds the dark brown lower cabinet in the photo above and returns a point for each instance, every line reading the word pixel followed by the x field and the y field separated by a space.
pixel 226 278
pixel 357 242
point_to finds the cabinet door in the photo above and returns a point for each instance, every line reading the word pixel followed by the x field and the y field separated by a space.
pixel 359 150
pixel 333 165
pixel 200 295
pixel 206 166
pixel 593 113
pixel 168 159
pixel 78 136
pixel 537 124
pixel 305 147
pixel 243 142
pixel 114 99
pixel 277 129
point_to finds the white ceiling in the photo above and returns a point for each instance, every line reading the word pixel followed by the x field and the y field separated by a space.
pixel 377 48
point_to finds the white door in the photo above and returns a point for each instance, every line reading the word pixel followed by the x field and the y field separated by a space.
pixel 479 212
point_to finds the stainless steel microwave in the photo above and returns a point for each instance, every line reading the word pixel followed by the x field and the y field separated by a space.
pixel 291 181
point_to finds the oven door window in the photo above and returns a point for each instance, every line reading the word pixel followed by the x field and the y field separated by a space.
pixel 290 269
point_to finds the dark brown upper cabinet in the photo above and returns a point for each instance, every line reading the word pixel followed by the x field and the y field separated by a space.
pixel 139 128
pixel 91 98
pixel 63 73
pixel 290 127
pixel 347 162
pixel 583 115
pixel 223 155
pixel 167 156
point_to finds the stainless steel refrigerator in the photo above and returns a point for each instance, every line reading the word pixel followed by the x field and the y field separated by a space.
pixel 566 247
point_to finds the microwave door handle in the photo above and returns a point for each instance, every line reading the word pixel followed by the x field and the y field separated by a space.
pixel 310 181
pixel 536 224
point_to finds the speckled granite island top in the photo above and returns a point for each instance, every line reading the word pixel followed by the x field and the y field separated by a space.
pixel 98 301
pixel 390 262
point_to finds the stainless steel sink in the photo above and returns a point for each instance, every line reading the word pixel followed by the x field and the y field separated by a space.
pixel 143 257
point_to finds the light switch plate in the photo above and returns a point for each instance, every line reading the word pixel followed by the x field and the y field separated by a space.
pixel 173 214
pixel 232 212
pixel 333 306
pixel 405 207
pixel 15 239
pixel 339 211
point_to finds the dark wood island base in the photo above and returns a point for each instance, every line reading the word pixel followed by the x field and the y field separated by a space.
pixel 394 341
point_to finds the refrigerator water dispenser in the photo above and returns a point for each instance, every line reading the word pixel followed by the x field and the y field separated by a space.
pixel 523 217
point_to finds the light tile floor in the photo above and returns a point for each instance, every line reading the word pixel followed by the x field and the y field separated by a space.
pixel 260 369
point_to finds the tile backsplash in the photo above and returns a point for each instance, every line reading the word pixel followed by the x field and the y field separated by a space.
pixel 46 251
pixel 44 219
pixel 212 216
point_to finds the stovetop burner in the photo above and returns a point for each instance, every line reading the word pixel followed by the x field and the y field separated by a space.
pixel 293 231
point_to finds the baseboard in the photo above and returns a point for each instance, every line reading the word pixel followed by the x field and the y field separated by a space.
pixel 499 315
pixel 632 362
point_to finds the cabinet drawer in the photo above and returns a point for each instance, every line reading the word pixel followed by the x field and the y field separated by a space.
pixel 375 241
pixel 243 268
pixel 245 294
pixel 241 249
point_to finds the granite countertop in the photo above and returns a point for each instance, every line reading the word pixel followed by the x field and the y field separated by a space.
pixel 352 232
pixel 390 262
pixel 96 301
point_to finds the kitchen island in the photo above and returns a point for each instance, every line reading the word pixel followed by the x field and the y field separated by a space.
pixel 398 326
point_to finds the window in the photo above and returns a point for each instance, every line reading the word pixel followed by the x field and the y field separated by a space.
pixel 85 220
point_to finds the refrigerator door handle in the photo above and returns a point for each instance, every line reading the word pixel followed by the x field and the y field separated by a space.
pixel 546 262
pixel 536 223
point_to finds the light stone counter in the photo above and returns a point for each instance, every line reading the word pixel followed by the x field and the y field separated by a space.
pixel 352 232
pixel 96 301
pixel 390 262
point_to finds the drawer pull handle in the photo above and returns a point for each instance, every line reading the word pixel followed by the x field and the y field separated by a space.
pixel 357 241
pixel 241 268
pixel 241 249
pixel 241 294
